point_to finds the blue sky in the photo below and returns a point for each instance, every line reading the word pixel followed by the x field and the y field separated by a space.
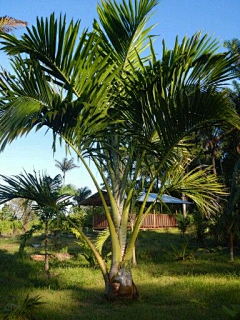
pixel 219 18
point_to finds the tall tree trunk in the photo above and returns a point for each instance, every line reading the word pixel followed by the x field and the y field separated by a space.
pixel 46 266
pixel 231 245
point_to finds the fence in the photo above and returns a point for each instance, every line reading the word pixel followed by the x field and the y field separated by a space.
pixel 151 221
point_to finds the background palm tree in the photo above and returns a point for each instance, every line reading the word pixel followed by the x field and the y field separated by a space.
pixel 65 165
pixel 82 194
pixel 234 47
pixel 44 191
pixel 7 24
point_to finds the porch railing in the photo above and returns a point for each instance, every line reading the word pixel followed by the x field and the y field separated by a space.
pixel 151 221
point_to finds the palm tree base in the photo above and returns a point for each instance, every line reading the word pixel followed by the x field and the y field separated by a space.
pixel 121 287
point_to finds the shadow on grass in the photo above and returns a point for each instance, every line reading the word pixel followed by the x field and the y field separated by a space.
pixel 155 249
pixel 158 302
pixel 168 290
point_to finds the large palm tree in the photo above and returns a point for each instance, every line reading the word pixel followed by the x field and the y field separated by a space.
pixel 65 165
pixel 108 102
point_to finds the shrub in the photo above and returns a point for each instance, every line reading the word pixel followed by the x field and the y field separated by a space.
pixel 182 253
pixel 183 222
pixel 10 226
pixel 23 309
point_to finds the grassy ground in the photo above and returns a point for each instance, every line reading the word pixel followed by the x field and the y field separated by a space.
pixel 192 289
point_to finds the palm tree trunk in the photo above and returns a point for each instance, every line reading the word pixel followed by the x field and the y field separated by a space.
pixel 231 245
pixel 184 206
pixel 121 287
pixel 214 164
pixel 46 265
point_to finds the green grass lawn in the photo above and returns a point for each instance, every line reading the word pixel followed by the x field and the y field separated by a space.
pixel 192 289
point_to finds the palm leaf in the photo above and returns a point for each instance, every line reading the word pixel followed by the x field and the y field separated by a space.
pixel 41 189
pixel 101 239
pixel 199 184
pixel 123 29
pixel 8 24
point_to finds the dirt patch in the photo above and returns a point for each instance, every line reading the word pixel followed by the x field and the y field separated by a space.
pixel 7 246
pixel 37 257
pixel 58 256
pixel 62 256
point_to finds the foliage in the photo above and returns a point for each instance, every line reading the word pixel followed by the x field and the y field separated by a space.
pixel 8 24
pixel 183 222
pixel 101 239
pixel 201 225
pixel 23 211
pixel 42 190
pixel 182 253
pixel 6 213
pixel 98 93
pixel 81 217
pixel 233 312
pixel 82 194
pixel 65 166
pixel 27 236
pixel 10 227
pixel 85 250
pixel 234 47
pixel 23 310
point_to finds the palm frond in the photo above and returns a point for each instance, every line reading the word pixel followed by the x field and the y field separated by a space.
pixel 199 184
pixel 8 24
pixel 101 239
pixel 44 190
pixel 124 29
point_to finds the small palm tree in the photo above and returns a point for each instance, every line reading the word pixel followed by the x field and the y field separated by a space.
pixel 43 190
pixel 7 24
pixel 65 166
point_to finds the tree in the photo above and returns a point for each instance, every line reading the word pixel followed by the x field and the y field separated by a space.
pixel 65 166
pixel 82 194
pixel 7 24
pixel 111 104
pixel 43 190
pixel 23 211
pixel 233 216
pixel 234 47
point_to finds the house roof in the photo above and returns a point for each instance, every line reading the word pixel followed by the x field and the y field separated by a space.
pixel 95 199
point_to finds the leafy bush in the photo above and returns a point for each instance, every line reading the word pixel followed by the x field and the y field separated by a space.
pixel 22 310
pixel 183 222
pixel 10 226
pixel 27 236
pixel 201 226
pixel 182 253
pixel 99 242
